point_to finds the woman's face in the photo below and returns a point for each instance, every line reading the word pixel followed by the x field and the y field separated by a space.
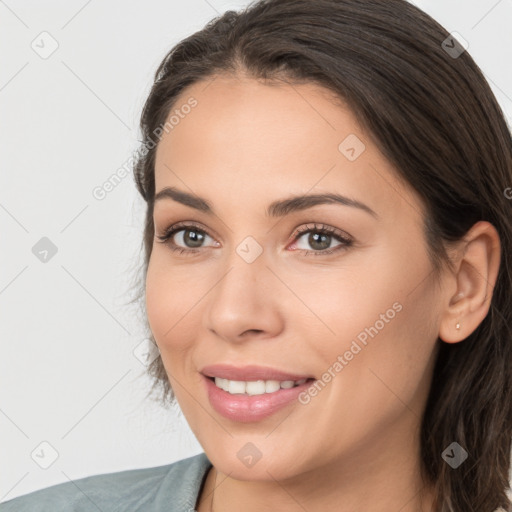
pixel 359 318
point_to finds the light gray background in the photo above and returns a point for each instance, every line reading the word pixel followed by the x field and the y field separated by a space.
pixel 69 374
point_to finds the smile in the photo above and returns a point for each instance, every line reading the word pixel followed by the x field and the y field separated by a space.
pixel 255 387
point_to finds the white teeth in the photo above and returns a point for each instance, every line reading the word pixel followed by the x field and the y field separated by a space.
pixel 222 383
pixel 271 386
pixel 257 387
pixel 236 386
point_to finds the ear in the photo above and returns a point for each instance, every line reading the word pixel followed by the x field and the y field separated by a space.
pixel 469 300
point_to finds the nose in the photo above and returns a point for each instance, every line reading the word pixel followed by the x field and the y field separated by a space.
pixel 245 302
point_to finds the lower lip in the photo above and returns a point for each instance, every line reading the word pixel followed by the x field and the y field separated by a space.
pixel 247 408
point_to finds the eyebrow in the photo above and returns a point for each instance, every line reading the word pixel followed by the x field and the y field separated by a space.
pixel 277 208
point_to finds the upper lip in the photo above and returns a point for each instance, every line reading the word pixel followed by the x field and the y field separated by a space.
pixel 249 373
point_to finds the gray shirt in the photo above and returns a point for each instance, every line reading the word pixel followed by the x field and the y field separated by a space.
pixel 171 488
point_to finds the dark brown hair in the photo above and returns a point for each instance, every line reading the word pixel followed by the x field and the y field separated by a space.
pixel 434 117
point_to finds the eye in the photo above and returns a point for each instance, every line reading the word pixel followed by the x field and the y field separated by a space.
pixel 191 237
pixel 320 238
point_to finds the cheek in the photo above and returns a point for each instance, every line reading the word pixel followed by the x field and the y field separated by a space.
pixel 156 299
pixel 344 302
pixel 170 298
pixel 382 302
pixel 384 319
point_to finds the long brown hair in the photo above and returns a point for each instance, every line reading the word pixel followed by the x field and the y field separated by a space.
pixel 432 114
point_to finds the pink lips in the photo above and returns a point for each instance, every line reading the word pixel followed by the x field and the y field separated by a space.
pixel 245 408
pixel 248 373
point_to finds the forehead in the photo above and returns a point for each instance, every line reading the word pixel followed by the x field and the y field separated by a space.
pixel 269 119
pixel 245 139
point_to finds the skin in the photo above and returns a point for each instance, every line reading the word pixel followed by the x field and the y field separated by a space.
pixel 355 444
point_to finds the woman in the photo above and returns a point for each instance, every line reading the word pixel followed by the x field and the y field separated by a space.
pixel 328 268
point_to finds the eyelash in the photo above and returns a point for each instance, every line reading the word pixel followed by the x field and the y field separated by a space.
pixel 317 228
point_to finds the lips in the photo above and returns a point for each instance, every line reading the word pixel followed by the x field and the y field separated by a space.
pixel 250 373
pixel 244 408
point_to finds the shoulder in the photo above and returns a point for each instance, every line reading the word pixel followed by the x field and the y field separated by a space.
pixel 171 487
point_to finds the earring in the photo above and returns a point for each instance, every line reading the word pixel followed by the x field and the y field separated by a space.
pixel 457 326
